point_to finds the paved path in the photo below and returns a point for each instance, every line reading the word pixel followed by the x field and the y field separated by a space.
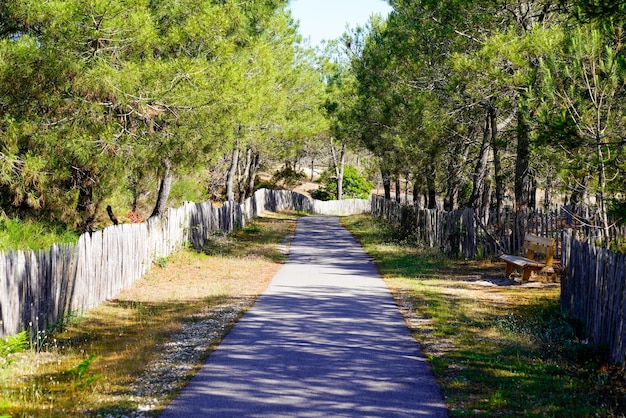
pixel 325 340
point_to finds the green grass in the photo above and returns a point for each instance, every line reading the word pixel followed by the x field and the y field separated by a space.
pixel 495 350
pixel 16 234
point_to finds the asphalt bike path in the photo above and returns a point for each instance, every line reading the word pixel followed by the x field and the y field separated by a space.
pixel 324 340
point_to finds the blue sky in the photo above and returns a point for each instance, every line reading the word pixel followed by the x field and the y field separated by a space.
pixel 326 19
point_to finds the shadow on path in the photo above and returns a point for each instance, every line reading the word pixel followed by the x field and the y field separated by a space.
pixel 325 339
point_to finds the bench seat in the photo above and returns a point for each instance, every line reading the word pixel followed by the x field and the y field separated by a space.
pixel 532 244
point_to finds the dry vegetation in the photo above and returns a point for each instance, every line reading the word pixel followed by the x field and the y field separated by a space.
pixel 130 355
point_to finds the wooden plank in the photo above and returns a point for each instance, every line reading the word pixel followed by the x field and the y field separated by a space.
pixel 612 302
pixel 619 355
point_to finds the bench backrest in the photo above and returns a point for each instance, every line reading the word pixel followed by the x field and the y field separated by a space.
pixel 535 244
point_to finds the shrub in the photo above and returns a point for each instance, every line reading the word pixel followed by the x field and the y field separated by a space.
pixel 355 186
pixel 288 177
pixel 14 344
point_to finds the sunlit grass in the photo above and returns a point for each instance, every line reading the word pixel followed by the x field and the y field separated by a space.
pixel 496 349
pixel 90 367
pixel 16 234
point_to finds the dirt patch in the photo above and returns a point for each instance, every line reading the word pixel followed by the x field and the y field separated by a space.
pixel 193 276
pixel 306 188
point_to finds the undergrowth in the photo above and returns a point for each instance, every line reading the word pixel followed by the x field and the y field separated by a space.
pixel 14 344
pixel 16 234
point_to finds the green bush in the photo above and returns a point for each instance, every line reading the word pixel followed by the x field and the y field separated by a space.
pixel 289 177
pixel 355 186
pixel 265 184
pixel 191 189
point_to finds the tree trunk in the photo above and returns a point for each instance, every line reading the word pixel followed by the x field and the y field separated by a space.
pixel 432 191
pixel 254 169
pixel 417 195
pixel 499 178
pixel 406 189
pixel 164 190
pixel 243 180
pixel 432 198
pixel 112 216
pixel 333 153
pixel 600 196
pixel 342 165
pixel 85 207
pixel 451 200
pixel 522 162
pixel 339 166
pixel 482 166
pixel 532 193
pixel 578 194
pixel 485 203
pixel 230 178
pixel 134 188
pixel 453 186
pixel 398 189
pixel 454 177
pixel 548 188
pixel 386 184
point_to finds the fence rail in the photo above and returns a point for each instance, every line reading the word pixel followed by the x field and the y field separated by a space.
pixel 38 288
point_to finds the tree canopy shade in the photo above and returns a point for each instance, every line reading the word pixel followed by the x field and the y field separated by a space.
pixel 100 96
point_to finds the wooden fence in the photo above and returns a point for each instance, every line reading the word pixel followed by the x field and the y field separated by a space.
pixel 462 233
pixel 593 280
pixel 39 288
pixel 593 291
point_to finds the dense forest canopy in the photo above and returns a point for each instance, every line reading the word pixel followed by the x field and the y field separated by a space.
pixel 485 103
pixel 106 98
pixel 475 103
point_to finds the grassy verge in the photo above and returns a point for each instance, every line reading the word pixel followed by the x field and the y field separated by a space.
pixel 16 234
pixel 92 364
pixel 496 348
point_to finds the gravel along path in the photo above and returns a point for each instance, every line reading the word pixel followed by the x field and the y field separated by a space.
pixel 325 339
pixel 181 355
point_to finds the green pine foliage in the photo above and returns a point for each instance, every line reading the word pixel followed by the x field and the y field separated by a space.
pixel 617 209
pixel 101 97
pixel 517 99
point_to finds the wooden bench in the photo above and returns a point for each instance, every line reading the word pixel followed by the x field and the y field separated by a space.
pixel 529 264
